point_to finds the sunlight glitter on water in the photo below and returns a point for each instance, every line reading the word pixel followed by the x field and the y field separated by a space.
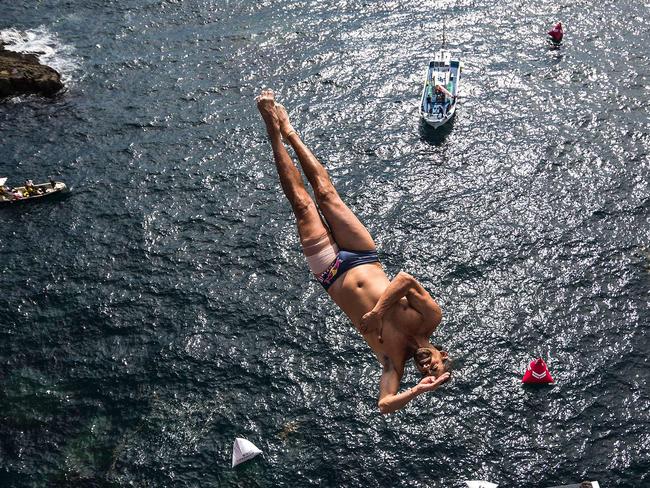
pixel 175 315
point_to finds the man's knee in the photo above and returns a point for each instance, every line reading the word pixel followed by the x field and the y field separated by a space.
pixel 326 194
pixel 302 206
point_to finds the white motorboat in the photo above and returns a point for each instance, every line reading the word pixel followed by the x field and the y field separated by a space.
pixel 30 192
pixel 440 92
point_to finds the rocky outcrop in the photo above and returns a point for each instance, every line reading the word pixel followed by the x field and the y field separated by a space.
pixel 23 73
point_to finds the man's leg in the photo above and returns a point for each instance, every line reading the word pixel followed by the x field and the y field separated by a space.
pixel 349 233
pixel 310 224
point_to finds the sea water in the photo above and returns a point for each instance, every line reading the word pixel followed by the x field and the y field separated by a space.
pixel 164 307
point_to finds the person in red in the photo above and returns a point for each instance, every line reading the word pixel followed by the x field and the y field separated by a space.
pixel 556 33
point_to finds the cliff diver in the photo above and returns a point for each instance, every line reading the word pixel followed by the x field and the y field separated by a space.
pixel 396 318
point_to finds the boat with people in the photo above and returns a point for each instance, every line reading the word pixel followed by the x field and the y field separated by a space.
pixel 30 191
pixel 440 91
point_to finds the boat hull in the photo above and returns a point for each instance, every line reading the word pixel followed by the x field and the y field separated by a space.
pixel 438 120
pixel 48 191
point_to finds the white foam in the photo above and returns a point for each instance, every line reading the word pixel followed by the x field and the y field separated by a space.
pixel 50 50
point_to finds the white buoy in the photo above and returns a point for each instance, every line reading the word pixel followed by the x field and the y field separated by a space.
pixel 243 450
pixel 584 484
pixel 480 484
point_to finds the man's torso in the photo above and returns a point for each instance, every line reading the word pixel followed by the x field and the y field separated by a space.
pixel 357 292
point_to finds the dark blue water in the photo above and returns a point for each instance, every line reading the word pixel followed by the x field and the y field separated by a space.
pixel 164 307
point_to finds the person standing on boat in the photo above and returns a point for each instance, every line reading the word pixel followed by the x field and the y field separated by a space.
pixel 443 89
pixel 394 317
pixel 429 107
pixel 29 186
pixel 443 98
pixel 556 33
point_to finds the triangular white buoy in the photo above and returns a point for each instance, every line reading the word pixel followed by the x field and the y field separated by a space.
pixel 480 484
pixel 243 450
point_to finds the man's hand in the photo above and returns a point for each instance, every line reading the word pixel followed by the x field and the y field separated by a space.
pixel 370 322
pixel 430 383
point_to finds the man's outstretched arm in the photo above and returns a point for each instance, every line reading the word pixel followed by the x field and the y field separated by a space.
pixel 390 400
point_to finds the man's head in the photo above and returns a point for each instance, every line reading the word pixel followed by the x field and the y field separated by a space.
pixel 432 361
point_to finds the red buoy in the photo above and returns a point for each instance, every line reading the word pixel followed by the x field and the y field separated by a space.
pixel 556 33
pixel 537 373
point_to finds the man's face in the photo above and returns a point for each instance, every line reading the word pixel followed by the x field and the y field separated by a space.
pixel 430 361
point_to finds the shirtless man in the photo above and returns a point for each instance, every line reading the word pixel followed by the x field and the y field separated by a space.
pixel 395 317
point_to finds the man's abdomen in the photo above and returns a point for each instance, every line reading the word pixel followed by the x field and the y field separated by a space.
pixel 359 289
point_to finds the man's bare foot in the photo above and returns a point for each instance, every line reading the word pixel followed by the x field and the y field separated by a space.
pixel 285 126
pixel 266 106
